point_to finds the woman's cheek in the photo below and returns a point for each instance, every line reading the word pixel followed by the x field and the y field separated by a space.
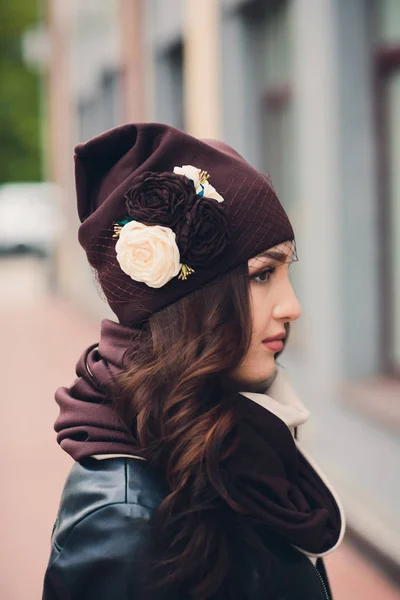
pixel 262 310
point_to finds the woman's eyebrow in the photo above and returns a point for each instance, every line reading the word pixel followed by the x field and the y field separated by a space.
pixel 277 255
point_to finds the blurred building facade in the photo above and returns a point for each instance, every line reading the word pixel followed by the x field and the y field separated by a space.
pixel 308 90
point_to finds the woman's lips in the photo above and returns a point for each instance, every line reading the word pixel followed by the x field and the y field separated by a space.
pixel 275 346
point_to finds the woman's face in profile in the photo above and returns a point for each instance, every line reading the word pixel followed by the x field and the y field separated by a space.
pixel 274 304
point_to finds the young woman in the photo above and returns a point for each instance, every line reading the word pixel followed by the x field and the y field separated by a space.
pixel 189 481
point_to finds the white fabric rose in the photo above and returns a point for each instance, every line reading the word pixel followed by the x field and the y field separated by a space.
pixel 148 253
pixel 204 188
pixel 211 192
pixel 191 173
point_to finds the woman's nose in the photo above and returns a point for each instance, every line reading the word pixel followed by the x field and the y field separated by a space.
pixel 288 306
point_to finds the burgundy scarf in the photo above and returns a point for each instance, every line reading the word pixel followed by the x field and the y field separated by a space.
pixel 271 479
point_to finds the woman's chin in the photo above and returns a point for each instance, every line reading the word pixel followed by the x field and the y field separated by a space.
pixel 251 375
pixel 257 382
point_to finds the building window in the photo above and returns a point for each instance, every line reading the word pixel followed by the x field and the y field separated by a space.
pixel 169 86
pixel 276 99
pixel 269 31
pixel 388 121
pixel 102 109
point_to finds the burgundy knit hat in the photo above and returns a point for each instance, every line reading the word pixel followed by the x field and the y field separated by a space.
pixel 164 213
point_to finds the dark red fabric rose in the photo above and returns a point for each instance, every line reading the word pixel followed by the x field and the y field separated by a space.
pixel 204 234
pixel 160 198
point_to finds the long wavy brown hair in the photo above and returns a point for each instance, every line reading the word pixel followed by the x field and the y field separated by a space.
pixel 176 400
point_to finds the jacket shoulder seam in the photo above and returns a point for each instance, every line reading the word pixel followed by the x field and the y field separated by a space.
pixel 93 512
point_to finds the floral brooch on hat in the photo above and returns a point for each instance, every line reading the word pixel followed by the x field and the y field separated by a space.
pixel 175 223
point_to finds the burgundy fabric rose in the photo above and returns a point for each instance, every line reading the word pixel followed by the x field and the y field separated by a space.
pixel 160 198
pixel 204 234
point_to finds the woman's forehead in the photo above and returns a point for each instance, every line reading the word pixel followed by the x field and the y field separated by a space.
pixel 283 252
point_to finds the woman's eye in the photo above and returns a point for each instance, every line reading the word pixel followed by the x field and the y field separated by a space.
pixel 263 276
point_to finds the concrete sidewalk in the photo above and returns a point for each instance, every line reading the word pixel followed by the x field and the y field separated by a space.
pixel 41 340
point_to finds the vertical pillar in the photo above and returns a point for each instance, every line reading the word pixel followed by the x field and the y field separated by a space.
pixel 201 68
pixel 61 139
pixel 133 59
pixel 60 136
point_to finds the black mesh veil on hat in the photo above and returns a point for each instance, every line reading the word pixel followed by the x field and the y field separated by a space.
pixel 127 173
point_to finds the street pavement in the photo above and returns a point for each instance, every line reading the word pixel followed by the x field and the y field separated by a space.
pixel 41 338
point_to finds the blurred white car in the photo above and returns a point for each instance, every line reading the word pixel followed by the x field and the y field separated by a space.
pixel 30 217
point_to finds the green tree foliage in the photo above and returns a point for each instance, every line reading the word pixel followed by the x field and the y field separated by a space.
pixel 20 156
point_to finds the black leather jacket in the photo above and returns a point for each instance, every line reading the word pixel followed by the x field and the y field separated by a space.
pixel 100 531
